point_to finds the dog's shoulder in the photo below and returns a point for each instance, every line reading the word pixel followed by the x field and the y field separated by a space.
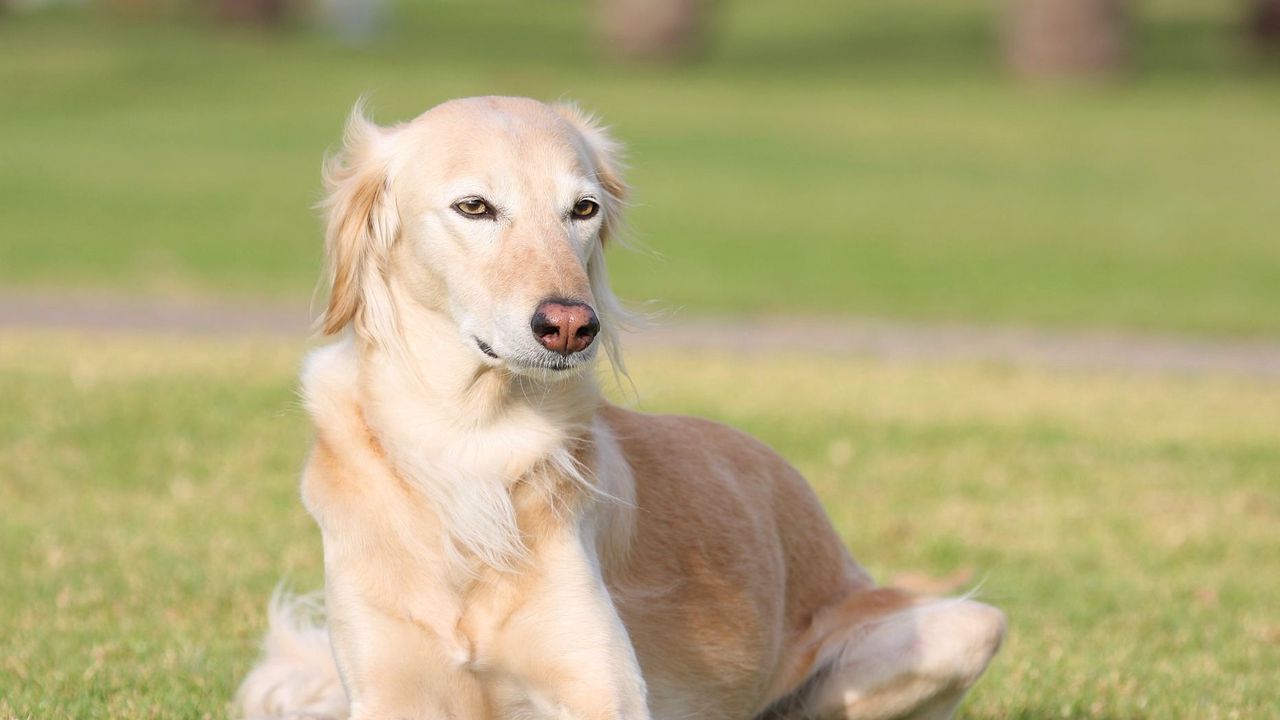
pixel 343 447
pixel 348 482
pixel 329 383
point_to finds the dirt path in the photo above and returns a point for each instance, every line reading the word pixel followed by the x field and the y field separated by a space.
pixel 888 340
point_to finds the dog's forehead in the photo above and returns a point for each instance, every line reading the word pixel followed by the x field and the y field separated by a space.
pixel 481 134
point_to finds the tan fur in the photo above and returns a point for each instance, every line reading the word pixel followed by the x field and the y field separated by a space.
pixel 500 542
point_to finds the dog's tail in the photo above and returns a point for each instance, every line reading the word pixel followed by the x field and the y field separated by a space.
pixel 296 677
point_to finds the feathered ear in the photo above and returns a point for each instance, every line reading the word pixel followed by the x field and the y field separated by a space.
pixel 605 154
pixel 606 157
pixel 361 222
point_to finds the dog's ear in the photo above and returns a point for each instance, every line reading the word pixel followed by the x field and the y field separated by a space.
pixel 361 220
pixel 606 156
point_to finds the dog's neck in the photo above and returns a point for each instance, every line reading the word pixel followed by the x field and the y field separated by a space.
pixel 466 433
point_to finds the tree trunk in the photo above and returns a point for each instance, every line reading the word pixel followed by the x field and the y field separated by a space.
pixel 653 29
pixel 1263 23
pixel 1047 39
pixel 264 13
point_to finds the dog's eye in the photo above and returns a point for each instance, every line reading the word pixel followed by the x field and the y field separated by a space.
pixel 586 208
pixel 473 208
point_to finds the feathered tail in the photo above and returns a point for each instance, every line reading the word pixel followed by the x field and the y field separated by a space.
pixel 296 677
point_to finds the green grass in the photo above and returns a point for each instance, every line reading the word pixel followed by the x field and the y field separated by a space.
pixel 1126 524
pixel 833 157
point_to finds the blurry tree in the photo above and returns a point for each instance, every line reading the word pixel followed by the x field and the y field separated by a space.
pixel 654 29
pixel 1263 22
pixel 1066 38
pixel 355 22
pixel 252 12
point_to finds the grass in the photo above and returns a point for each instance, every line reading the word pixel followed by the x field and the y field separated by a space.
pixel 865 158
pixel 860 158
pixel 1125 523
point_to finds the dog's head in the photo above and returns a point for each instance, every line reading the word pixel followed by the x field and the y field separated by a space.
pixel 489 212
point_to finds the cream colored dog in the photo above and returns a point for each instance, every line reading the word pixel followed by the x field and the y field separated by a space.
pixel 499 541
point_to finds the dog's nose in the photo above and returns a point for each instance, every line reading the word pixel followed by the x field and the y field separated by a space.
pixel 565 326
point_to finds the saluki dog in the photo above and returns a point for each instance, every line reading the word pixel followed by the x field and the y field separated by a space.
pixel 500 541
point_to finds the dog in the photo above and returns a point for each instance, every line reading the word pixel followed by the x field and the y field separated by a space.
pixel 500 541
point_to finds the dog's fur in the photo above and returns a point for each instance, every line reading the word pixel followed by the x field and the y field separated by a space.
pixel 499 541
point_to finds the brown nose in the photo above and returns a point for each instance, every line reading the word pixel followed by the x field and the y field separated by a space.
pixel 565 326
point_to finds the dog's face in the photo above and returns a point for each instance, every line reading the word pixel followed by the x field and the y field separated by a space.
pixel 491 212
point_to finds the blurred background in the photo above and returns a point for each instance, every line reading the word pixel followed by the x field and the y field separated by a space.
pixel 1066 162
pixel 1001 277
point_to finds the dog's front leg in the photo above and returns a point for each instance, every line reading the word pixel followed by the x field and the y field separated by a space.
pixel 565 648
pixel 396 652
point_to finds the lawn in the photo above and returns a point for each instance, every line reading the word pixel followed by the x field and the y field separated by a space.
pixel 862 158
pixel 1127 524
pixel 830 158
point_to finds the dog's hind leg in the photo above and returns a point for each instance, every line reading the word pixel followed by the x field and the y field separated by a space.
pixel 916 662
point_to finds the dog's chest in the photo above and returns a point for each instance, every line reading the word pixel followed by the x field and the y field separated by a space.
pixel 483 610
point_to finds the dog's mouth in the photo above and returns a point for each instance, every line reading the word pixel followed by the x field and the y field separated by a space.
pixel 484 348
pixel 558 364
pixel 539 362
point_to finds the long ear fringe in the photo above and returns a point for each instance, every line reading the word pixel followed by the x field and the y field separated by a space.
pixel 357 226
pixel 606 155
pixel 615 317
